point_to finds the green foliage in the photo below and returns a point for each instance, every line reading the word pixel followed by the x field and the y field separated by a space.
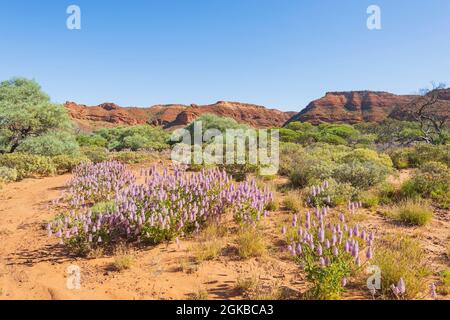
pixel 335 134
pixel 50 144
pixel 369 199
pixel 85 140
pixel 129 157
pixel 362 168
pixel 26 112
pixel 28 165
pixel 211 121
pixel 431 181
pixel 8 174
pixel 66 163
pixel 416 156
pixel 362 175
pixel 95 154
pixel 135 138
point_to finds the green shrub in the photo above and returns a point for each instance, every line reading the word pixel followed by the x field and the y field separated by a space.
pixel 8 174
pixel 66 163
pixel 369 199
pixel 96 140
pixel 413 213
pixel 310 170
pixel 129 157
pixel 361 175
pixel 50 144
pixel 95 154
pixel 387 193
pixel 431 181
pixel 401 257
pixel 144 137
pixel 28 165
pixel 420 154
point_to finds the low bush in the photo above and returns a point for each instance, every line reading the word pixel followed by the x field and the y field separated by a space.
pixel 401 258
pixel 431 181
pixel 414 157
pixel 362 175
pixel 129 157
pixel 66 163
pixel 27 165
pixel 8 174
pixel 413 213
pixel 95 154
pixel 369 199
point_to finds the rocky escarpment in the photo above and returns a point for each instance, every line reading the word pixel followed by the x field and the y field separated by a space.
pixel 352 107
pixel 89 118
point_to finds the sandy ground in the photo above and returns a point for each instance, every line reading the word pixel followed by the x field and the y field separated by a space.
pixel 33 266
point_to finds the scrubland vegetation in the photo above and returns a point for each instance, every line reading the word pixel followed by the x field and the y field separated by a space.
pixel 336 185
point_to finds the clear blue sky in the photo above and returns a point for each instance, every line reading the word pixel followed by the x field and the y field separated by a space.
pixel 278 53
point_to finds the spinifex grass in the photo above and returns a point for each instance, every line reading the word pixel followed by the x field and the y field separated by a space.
pixel 168 205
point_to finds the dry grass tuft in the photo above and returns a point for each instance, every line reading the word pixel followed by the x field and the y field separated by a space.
pixel 210 243
pixel 250 243
pixel 293 201
pixel 401 257
pixel 413 213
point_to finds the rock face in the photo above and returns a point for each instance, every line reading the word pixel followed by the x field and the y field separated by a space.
pixel 352 107
pixel 172 116
pixel 438 110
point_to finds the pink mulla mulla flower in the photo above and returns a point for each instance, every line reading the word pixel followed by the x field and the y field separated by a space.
pixel 358 261
pixel 327 244
pixel 319 250
pixel 283 230
pixel 401 286
pixel 395 290
pixel 335 251
pixel 299 249
pixel 90 238
pixel 369 253
pixel 322 262
pixel 321 235
pixel 433 291
pixel 344 282
pixel 99 240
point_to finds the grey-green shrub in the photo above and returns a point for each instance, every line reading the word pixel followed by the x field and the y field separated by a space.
pixel 50 144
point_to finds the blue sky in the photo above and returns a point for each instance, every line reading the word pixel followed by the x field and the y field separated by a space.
pixel 278 53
